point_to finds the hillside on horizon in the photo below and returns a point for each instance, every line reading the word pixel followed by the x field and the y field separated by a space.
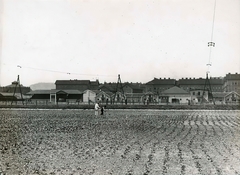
pixel 43 86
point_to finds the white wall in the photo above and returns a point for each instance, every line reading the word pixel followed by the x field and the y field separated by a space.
pixel 89 95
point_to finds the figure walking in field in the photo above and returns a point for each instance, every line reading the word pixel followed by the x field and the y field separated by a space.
pixel 97 107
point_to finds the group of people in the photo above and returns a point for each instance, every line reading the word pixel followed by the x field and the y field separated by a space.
pixel 99 109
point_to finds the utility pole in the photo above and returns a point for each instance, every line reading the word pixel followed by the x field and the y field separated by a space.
pixel 207 86
pixel 19 85
pixel 119 87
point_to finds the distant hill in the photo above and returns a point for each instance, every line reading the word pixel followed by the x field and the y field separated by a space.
pixel 43 86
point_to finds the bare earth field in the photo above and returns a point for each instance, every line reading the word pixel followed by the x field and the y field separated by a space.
pixel 123 142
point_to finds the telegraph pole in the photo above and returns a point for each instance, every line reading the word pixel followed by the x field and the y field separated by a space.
pixel 15 88
pixel 119 87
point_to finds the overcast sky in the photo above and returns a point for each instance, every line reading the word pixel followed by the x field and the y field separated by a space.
pixel 49 40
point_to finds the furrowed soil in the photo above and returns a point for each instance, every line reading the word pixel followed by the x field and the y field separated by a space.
pixel 124 142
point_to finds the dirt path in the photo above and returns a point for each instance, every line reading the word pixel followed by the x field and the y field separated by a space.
pixel 141 142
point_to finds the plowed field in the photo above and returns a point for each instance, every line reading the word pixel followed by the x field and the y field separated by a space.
pixel 123 142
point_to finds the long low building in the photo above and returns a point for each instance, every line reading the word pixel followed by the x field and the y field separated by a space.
pixel 8 96
pixel 189 84
pixel 55 96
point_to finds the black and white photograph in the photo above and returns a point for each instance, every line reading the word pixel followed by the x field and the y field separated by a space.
pixel 119 87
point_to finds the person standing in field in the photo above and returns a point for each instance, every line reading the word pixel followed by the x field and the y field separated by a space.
pixel 102 109
pixel 97 107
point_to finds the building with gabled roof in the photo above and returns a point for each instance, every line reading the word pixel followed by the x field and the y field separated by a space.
pixel 219 97
pixel 175 90
pixel 105 97
pixel 158 85
pixel 226 97
pixel 133 88
pixel 175 95
pixel 108 87
pixel 232 97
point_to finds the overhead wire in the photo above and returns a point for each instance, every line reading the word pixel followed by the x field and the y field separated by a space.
pixel 69 73
pixel 62 72
pixel 211 43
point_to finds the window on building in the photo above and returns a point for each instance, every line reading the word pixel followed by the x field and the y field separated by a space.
pixel 199 93
pixel 193 93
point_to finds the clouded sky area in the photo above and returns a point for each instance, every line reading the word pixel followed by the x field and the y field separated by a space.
pixel 49 40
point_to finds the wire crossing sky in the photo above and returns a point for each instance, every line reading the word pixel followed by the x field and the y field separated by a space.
pixel 91 39
pixel 211 43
